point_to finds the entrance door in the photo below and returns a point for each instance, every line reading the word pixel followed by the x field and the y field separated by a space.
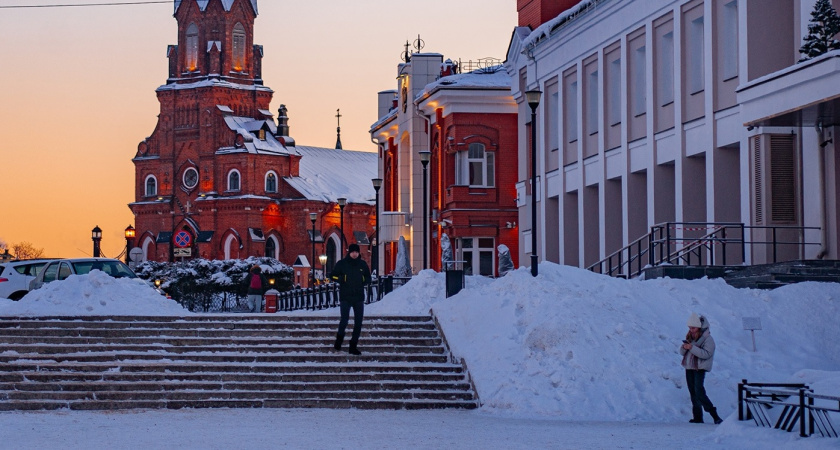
pixel 477 254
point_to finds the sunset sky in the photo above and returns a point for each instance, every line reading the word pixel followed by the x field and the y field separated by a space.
pixel 77 89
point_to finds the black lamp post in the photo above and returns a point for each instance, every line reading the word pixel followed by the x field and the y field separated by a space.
pixel 96 236
pixel 342 202
pixel 312 218
pixel 425 156
pixel 377 183
pixel 533 99
pixel 129 239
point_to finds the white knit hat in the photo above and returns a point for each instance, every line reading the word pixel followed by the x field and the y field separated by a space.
pixel 694 321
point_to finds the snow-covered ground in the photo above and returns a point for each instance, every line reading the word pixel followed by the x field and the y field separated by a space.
pixel 569 359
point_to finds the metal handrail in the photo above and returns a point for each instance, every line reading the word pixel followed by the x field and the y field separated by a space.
pixel 329 295
pixel 755 398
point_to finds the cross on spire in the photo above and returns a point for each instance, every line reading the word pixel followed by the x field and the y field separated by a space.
pixel 338 129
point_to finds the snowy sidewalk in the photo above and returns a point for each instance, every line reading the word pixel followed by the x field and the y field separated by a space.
pixel 329 428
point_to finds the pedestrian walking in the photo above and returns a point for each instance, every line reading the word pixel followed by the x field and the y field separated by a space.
pixel 257 284
pixel 698 352
pixel 352 274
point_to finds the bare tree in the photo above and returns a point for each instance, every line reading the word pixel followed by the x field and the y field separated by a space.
pixel 26 250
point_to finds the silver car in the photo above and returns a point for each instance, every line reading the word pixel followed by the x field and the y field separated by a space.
pixel 15 277
pixel 60 269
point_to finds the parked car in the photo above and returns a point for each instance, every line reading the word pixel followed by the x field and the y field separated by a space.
pixel 15 277
pixel 60 269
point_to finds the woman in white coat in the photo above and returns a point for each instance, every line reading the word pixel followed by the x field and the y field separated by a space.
pixel 698 352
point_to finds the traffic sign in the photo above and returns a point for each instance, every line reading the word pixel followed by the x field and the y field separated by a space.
pixel 136 254
pixel 182 239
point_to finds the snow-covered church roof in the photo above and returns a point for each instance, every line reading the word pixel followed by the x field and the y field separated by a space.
pixel 327 174
pixel 226 3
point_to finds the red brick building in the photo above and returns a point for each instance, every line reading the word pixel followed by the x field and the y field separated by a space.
pixel 218 178
pixel 468 122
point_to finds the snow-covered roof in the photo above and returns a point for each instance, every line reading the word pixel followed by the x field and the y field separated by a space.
pixel 213 82
pixel 248 127
pixel 202 4
pixel 490 78
pixel 327 174
pixel 545 30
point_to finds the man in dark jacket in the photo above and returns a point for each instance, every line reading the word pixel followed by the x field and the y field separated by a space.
pixel 352 274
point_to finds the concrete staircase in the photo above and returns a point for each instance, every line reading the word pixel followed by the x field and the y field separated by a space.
pixel 267 361
pixel 771 276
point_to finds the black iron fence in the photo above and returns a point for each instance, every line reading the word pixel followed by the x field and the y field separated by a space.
pixel 327 295
pixel 703 244
pixel 795 407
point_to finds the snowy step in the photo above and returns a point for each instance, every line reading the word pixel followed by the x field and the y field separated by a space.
pixel 225 361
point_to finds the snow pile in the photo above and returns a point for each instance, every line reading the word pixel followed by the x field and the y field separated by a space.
pixel 96 293
pixel 580 346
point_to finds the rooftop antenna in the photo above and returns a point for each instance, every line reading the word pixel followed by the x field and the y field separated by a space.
pixel 419 44
pixel 406 56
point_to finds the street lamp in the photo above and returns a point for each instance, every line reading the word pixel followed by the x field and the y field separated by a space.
pixel 323 259
pixel 533 99
pixel 312 218
pixel 425 156
pixel 96 235
pixel 342 202
pixel 129 238
pixel 377 183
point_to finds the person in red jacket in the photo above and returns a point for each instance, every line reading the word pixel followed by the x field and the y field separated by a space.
pixel 257 285
pixel 352 274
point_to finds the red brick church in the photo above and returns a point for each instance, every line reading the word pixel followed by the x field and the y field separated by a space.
pixel 219 178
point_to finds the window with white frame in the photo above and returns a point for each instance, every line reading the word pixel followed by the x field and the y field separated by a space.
pixel 233 180
pixel 238 47
pixel 151 186
pixel 696 64
pixel 477 254
pixel 551 112
pixel 192 47
pixel 665 77
pixel 475 167
pixel 271 182
pixel 730 40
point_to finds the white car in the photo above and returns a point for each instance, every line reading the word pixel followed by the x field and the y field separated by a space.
pixel 15 277
pixel 60 269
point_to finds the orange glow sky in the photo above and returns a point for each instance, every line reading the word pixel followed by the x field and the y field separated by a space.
pixel 77 93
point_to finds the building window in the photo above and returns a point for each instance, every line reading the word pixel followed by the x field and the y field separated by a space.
pixel 271 247
pixel 614 92
pixel 233 180
pixel 592 103
pixel 477 254
pixel 475 167
pixel 151 186
pixel 570 102
pixel 696 80
pixel 271 182
pixel 552 110
pixel 665 81
pixel 730 40
pixel 192 47
pixel 238 47
pixel 639 90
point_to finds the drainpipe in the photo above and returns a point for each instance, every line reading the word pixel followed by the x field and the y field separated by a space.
pixel 823 216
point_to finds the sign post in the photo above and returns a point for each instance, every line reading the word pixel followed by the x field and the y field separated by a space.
pixel 752 324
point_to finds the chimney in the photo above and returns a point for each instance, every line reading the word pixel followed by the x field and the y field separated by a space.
pixel 282 121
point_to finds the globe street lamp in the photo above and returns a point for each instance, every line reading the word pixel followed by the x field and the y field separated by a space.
pixel 323 259
pixel 312 218
pixel 425 156
pixel 377 183
pixel 342 202
pixel 129 238
pixel 533 99
pixel 96 236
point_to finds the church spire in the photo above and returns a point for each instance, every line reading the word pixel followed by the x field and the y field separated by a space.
pixel 338 129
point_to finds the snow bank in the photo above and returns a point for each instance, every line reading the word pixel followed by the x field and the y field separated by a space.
pixel 91 295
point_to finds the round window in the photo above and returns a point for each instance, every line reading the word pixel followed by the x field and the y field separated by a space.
pixel 190 178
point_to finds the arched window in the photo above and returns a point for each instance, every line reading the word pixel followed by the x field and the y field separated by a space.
pixel 192 47
pixel 233 180
pixel 475 167
pixel 271 247
pixel 151 186
pixel 271 182
pixel 238 47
